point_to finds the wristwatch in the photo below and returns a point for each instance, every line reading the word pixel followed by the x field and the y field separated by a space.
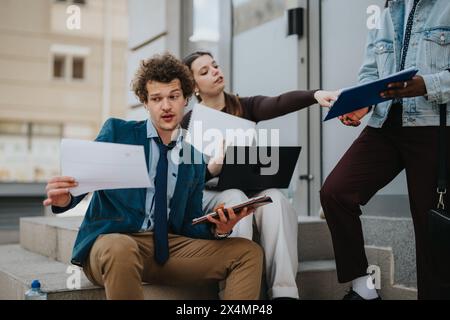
pixel 220 236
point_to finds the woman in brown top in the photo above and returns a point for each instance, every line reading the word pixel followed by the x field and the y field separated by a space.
pixel 276 223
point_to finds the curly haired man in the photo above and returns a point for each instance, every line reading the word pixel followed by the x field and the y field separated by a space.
pixel 146 235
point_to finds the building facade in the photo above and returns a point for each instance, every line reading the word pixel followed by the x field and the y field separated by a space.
pixel 62 73
pixel 54 70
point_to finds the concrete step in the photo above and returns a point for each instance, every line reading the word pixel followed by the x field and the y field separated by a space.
pixel 18 268
pixel 314 240
pixel 397 233
pixel 316 280
pixel 53 237
pixel 390 290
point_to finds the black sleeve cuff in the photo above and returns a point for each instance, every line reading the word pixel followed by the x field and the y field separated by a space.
pixel 208 175
pixel 58 210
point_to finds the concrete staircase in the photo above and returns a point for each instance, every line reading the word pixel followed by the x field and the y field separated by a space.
pixel 20 267
pixel 46 246
pixel 398 234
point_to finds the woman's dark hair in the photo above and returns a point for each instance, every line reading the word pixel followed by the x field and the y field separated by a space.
pixel 189 60
pixel 387 3
pixel 232 104
pixel 162 68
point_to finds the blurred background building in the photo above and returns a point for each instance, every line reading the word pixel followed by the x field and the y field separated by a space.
pixel 56 81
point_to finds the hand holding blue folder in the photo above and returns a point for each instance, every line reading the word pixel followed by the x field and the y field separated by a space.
pixel 367 94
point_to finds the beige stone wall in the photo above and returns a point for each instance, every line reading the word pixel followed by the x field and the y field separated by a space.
pixel 92 19
pixel 30 30
pixel 28 91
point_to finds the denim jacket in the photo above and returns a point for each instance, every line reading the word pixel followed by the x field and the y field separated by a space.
pixel 429 51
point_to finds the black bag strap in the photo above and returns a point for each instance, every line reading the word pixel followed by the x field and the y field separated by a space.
pixel 442 156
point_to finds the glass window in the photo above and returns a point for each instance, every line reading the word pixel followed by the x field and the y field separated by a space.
pixel 78 68
pixel 59 66
pixel 206 25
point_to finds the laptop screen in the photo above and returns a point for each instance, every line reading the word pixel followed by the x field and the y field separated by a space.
pixel 258 168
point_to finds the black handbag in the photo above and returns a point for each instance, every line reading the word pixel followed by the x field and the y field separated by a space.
pixel 439 221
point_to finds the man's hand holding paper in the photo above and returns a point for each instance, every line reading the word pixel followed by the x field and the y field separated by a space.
pixel 91 166
pixel 58 191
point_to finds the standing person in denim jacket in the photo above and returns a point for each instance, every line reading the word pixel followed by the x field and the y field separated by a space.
pixel 402 134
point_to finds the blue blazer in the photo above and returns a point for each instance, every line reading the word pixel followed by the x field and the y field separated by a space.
pixel 123 211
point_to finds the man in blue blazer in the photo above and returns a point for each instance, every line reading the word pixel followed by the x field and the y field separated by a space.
pixel 145 235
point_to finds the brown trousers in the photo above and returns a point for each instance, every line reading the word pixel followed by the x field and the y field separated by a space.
pixel 374 160
pixel 121 262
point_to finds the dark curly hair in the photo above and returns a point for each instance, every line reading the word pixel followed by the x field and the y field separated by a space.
pixel 162 68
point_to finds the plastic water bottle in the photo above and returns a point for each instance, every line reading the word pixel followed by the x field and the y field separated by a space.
pixel 35 292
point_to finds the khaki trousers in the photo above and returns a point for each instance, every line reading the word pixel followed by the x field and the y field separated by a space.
pixel 121 262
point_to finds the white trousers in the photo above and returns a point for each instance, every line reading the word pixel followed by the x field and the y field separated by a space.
pixel 277 225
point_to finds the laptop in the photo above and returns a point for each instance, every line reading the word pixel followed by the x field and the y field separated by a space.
pixel 258 168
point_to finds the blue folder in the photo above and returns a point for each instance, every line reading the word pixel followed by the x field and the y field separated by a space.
pixel 367 94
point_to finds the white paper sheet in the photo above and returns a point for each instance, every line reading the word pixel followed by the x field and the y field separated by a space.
pixel 209 128
pixel 103 166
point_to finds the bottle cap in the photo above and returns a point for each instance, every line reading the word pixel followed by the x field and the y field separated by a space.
pixel 35 284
